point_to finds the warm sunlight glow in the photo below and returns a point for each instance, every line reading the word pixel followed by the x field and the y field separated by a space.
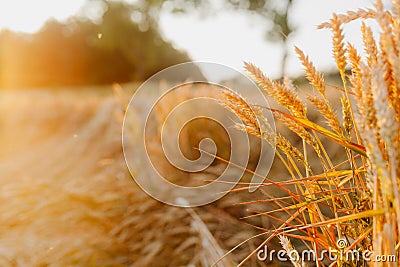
pixel 29 16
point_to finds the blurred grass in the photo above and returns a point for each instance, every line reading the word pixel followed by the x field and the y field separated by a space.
pixel 67 198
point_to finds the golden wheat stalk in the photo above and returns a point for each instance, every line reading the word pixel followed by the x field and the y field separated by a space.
pixel 282 94
pixel 364 200
pixel 315 77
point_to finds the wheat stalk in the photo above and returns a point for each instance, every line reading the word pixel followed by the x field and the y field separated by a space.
pixel 363 196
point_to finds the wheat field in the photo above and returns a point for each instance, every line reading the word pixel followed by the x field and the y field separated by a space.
pixel 67 198
pixel 350 206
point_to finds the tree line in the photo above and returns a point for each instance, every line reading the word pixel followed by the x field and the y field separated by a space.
pixel 117 47
pixel 82 52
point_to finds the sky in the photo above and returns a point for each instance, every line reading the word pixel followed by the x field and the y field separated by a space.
pixel 227 38
pixel 231 39
pixel 29 16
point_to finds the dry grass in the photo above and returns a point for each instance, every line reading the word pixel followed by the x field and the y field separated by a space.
pixel 67 198
pixel 357 198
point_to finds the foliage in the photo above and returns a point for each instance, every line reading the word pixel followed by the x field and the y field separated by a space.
pixel 131 46
pixel 83 52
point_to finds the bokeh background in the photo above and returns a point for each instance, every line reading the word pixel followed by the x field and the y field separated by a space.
pixel 54 43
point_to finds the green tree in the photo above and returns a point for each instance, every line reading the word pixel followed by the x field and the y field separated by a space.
pixel 144 48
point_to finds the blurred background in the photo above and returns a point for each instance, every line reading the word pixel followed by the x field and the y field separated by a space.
pixel 75 43
pixel 67 72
